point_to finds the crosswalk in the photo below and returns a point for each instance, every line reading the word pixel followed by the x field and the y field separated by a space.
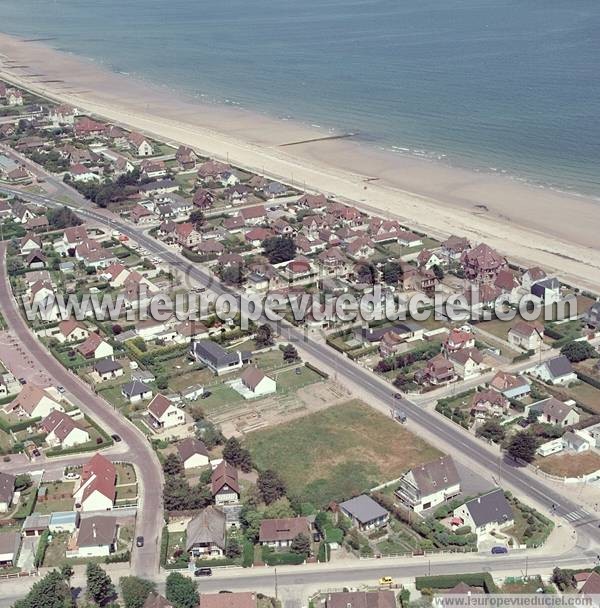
pixel 577 515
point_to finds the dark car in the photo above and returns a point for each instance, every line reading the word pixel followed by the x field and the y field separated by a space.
pixel 499 550
pixel 139 541
pixel 116 438
pixel 397 395
pixel 205 395
pixel 22 381
pixel 203 572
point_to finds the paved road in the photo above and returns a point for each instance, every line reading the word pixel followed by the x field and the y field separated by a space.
pixel 150 520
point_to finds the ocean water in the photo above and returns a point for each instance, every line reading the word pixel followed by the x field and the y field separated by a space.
pixel 503 85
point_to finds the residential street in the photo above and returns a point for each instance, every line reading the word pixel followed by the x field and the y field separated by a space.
pixel 149 521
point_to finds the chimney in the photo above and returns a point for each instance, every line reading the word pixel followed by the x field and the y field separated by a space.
pixel 479 499
pixel 94 530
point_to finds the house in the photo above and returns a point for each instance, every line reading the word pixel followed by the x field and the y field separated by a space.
pixel 254 383
pixel 163 414
pixel 488 403
pixel 237 599
pixel 34 402
pixel 36 260
pixel 360 248
pixel 186 158
pixel 187 235
pixel 468 362
pixel 592 316
pixel 140 145
pixel 457 339
pixel 360 599
pixel 555 371
pixel 205 534
pixel 85 127
pixel 95 347
pixel 591 586
pixel 10 544
pixel 511 386
pixel 72 331
pixel 81 173
pixel 155 600
pixel 193 453
pixel 62 115
pixel 96 490
pixel 108 369
pixel 7 491
pixel 429 259
pixel 14 97
pixel 93 254
pixel 224 484
pixel 547 290
pixel 253 216
pixel 97 536
pixel 429 484
pixel 278 533
pixel 212 170
pixel 37 224
pixel 528 336
pixel 482 264
pixel 553 411
pixel 72 237
pixel 141 215
pixel 191 330
pixel 575 443
pixel 438 370
pixel 364 512
pixel 204 199
pixel 30 242
pixel 152 169
pixel 215 357
pixel 63 431
pixel 136 391
pixel 531 276
pixel 486 513
pixel 22 214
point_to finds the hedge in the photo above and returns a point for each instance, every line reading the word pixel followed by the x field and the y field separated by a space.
pixel 282 559
pixel 118 557
pixel 447 581
pixel 248 554
pixel 316 370
pixel 18 426
pixel 588 379
pixel 164 546
pixel 323 555
pixel 41 549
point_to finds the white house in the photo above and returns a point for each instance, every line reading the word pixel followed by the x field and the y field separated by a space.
pixel 224 483
pixel 96 537
pixel 468 362
pixel 193 453
pixel 254 383
pixel 63 431
pixel 136 391
pixel 96 491
pixel 72 331
pixel 547 290
pixel 555 412
pixel 95 347
pixel 163 414
pixel 528 336
pixel 278 533
pixel 140 144
pixel 429 484
pixel 555 371
pixel 364 512
pixel 486 513
pixel 34 402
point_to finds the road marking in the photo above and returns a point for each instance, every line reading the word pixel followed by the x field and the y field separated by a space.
pixel 576 515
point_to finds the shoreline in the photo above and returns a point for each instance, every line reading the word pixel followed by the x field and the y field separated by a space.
pixel 531 225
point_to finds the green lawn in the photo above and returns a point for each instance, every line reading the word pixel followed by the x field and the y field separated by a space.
pixel 338 452
pixel 290 381
pixel 222 396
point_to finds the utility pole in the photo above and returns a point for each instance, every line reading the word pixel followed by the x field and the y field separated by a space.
pixel 276 597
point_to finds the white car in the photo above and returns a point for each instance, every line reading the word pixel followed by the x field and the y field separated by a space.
pixel 71 475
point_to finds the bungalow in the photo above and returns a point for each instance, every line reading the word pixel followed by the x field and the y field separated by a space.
pixel 215 357
pixel 312 202
pixel 254 383
pixel 161 186
pixel 511 386
pixel 34 402
pixel 7 491
pixel 360 599
pixel 38 224
pixel 140 145
pixel 96 490
pixel 364 512
pixel 224 484
pixel 72 331
pixel 253 216
pixel 81 173
pixel 210 248
pixel 96 537
pixel 205 534
pixel 488 403
pixel 95 347
pixel 429 484
pixel 486 513
pixel 107 369
pixel 152 169
pixel 212 170
pixel 237 599
pixel 141 215
pixel 468 362
pixel 547 290
pixel 163 414
pixel 256 236
pixel 136 391
pixel 555 371
pixel 278 533
pixel 553 411
pixel 10 544
pixel 190 330
pixel 63 431
pixel 193 453
pixel 528 336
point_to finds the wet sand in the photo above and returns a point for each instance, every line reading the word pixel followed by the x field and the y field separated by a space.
pixel 534 226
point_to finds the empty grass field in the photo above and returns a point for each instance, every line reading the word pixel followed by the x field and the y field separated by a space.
pixel 570 465
pixel 338 452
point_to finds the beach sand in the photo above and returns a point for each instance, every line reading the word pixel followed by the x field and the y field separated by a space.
pixel 531 225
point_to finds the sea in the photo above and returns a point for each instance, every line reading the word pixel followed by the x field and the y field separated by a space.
pixel 509 86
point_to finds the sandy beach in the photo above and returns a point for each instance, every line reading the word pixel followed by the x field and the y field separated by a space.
pixel 531 225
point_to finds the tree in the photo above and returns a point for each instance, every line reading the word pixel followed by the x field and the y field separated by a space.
pixel 523 446
pixel 236 455
pixel 62 218
pixel 173 465
pixel 438 271
pixel 210 434
pixel 366 273
pixel 52 591
pixel 22 481
pixel 233 274
pixel 301 545
pixel 100 588
pixel 162 382
pixel 492 430
pixel 391 273
pixel 279 249
pixel 233 548
pixel 532 416
pixel 197 217
pixel 181 591
pixel 270 486
pixel 290 354
pixel 563 579
pixel 578 351
pixel 135 590
pixel 264 336
pixel 279 509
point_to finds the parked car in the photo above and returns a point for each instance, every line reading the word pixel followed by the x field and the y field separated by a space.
pixel 203 572
pixel 205 395
pixel 139 541
pixel 386 581
pixel 499 550
pixel 71 475
pixel 116 438
pixel 60 389
pixel 397 395
pixel 22 381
